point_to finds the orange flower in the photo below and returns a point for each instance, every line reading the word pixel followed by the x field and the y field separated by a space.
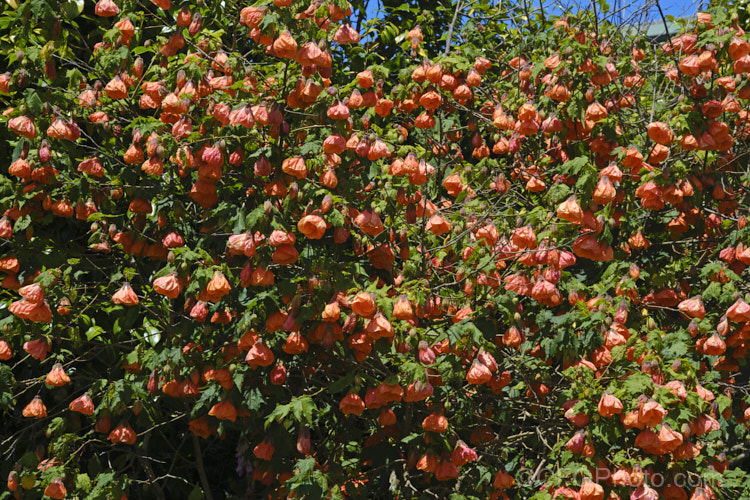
pixel 127 30
pixel 56 489
pixel 224 411
pixel 418 391
pixel 295 344
pixel 279 237
pixel 201 428
pixel 20 168
pixel 609 405
pixel 693 308
pixel 61 129
pixel 173 239
pixel 463 454
pixel 312 226
pixel 259 355
pixel 309 54
pixel 437 225
pixel 739 311
pixel 524 237
pixel 352 404
pixel 23 126
pixel 223 377
pixel 82 404
pixel 123 433
pixel 430 100
pixel 116 88
pixel 35 408
pixel 241 244
pixel 712 346
pixel 295 167
pixel 284 46
pixel 369 222
pixel 162 4
pixel 379 327
pixel 586 246
pixel 125 296
pixel 285 255
pixel 264 450
pixel 33 293
pixel 446 471
pixel 478 373
pixel 346 34
pixel 389 393
pixel 331 312
pixel 402 309
pixel 57 376
pixel 5 352
pixel 262 277
pixel 638 242
pixel 338 112
pixel 363 304
pixel 570 211
pixel 503 480
pixel 604 192
pixel 153 166
pixel 140 206
pixel 169 285
pixel 591 490
pixel 595 112
pixel 106 8
pixel 217 287
pixel 37 348
pixel 660 133
pixel 435 422
pixel 427 463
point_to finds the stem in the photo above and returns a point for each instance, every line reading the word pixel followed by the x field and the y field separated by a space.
pixel 596 21
pixel 361 15
pixel 201 468
pixel 152 480
pixel 459 6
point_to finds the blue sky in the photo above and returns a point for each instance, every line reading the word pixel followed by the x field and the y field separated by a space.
pixel 677 8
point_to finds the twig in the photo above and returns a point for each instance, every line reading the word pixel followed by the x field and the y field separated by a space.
pixel 459 6
pixel 201 468
pixel 152 479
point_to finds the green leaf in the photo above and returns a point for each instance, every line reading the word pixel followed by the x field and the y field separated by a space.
pixel 72 8
pixel 674 349
pixel 341 384
pixel 22 223
pixel 253 217
pixel 83 482
pixel 254 399
pixel 152 334
pixel 310 147
pixel 278 414
pixel 33 101
pixel 638 383
pixel 336 218
pixel 464 329
pixel 93 332
pixel 196 493
pixel 557 193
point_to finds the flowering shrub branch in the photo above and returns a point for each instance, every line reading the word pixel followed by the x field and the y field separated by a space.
pixel 254 250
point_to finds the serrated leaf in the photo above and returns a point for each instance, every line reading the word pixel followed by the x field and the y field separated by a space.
pixel 34 102
pixel 638 383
